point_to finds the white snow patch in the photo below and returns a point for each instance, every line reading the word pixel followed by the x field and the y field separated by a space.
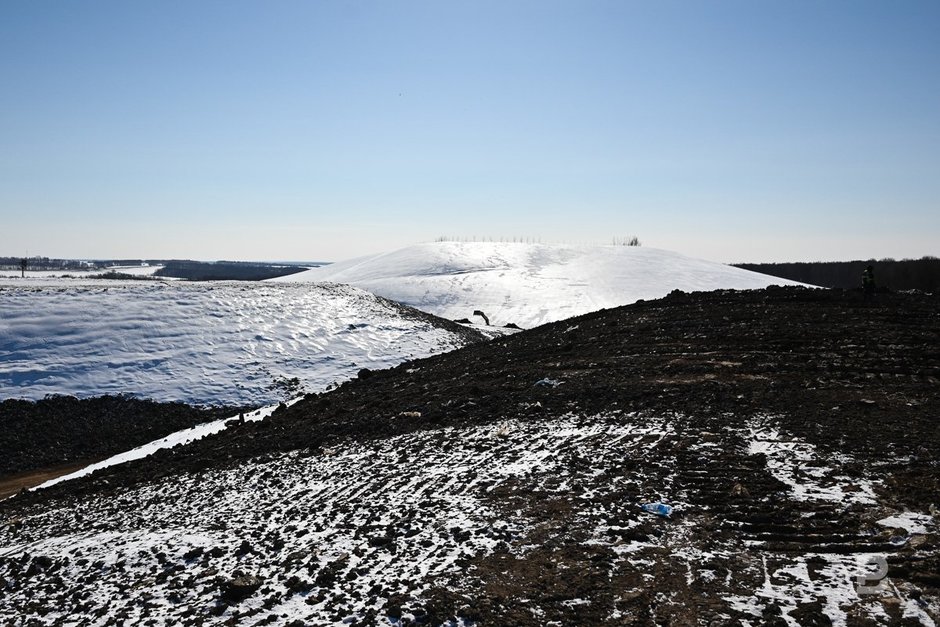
pixel 790 584
pixel 424 493
pixel 911 522
pixel 797 464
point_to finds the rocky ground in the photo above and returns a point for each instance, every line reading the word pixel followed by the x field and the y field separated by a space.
pixel 793 431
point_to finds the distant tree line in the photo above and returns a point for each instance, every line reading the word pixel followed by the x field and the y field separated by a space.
pixel 225 270
pixel 44 263
pixel 906 274
pixel 119 276
pixel 50 264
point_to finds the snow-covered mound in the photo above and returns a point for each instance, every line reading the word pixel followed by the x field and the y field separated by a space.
pixel 220 343
pixel 530 284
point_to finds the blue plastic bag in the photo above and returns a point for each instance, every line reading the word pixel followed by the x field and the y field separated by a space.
pixel 660 509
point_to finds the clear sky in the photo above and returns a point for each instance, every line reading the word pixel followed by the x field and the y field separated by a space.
pixel 734 130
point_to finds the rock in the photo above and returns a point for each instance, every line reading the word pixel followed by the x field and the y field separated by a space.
pixel 325 578
pixel 43 561
pixel 296 585
pixel 771 610
pixel 240 588
pixel 244 548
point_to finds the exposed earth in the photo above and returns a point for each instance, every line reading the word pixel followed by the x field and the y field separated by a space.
pixel 793 431
pixel 57 430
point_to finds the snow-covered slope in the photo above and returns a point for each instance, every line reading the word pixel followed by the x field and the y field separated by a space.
pixel 220 343
pixel 529 284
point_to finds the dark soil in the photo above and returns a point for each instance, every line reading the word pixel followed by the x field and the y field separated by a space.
pixel 60 430
pixel 11 484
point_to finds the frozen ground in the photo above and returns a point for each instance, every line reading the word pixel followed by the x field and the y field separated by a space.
pixel 529 284
pixel 374 532
pixel 218 343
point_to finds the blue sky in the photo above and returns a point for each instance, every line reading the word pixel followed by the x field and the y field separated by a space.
pixel 730 130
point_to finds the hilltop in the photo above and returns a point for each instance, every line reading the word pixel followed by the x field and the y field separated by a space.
pixel 793 430
pixel 529 284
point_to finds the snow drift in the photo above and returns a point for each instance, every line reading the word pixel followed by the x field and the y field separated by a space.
pixel 529 284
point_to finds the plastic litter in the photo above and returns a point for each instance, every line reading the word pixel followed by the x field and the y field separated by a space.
pixel 550 383
pixel 660 509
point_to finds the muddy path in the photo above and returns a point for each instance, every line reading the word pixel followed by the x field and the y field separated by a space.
pixel 11 484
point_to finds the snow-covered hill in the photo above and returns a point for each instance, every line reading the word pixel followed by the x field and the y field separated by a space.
pixel 219 343
pixel 529 284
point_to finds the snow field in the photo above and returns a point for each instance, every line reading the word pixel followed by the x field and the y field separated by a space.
pixel 217 343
